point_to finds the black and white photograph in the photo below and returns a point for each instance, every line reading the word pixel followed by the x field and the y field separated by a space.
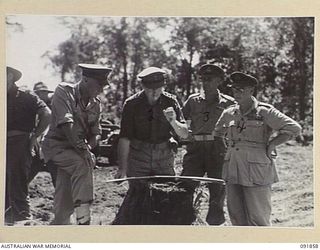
pixel 198 121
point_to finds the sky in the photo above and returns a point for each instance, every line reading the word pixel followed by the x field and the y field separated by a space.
pixel 24 49
pixel 40 34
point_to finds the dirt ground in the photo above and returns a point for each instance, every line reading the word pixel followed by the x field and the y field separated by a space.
pixel 292 200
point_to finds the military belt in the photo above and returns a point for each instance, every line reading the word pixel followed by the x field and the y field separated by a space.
pixel 250 144
pixel 203 137
pixel 154 146
pixel 12 133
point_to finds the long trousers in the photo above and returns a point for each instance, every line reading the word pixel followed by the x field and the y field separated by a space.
pixel 249 206
pixel 17 171
pixel 74 185
pixel 208 157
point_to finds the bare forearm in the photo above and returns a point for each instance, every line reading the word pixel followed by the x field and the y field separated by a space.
pixel 93 141
pixel 279 139
pixel 44 120
pixel 181 129
pixel 123 153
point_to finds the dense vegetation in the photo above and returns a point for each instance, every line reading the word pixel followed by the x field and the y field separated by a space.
pixel 278 51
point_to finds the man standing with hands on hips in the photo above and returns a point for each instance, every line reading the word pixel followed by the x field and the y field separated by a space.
pixel 249 169
pixel 74 131
pixel 150 120
pixel 205 153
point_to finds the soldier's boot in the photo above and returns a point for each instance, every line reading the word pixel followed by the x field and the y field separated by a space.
pixel 83 214
pixel 215 214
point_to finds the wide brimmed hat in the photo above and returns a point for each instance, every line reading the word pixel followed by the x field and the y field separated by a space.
pixel 40 86
pixel 16 73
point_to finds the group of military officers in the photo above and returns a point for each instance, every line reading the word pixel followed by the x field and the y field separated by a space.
pixel 228 137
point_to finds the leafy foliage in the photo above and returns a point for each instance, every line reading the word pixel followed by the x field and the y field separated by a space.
pixel 278 51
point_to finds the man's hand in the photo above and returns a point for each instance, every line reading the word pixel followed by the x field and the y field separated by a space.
pixel 120 174
pixel 170 114
pixel 270 149
pixel 33 144
pixel 89 158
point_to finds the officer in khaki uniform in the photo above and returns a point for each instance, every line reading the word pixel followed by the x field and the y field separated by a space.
pixel 74 130
pixel 38 165
pixel 150 119
pixel 205 153
pixel 249 168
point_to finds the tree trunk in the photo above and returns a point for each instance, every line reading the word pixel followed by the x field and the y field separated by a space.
pixel 189 72
pixel 300 49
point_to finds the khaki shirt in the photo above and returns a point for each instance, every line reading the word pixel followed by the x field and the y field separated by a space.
pixel 67 108
pixel 248 135
pixel 204 114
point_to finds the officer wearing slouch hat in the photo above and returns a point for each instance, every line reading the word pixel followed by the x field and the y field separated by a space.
pixel 205 152
pixel 74 131
pixel 38 165
pixel 150 119
pixel 249 169
pixel 44 93
pixel 22 134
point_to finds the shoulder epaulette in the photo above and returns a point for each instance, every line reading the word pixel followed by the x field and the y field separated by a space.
pixel 194 95
pixel 167 94
pixel 231 107
pixel 134 96
pixel 98 99
pixel 227 97
pixel 266 105
pixel 67 84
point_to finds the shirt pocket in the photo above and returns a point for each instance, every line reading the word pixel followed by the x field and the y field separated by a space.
pixel 93 118
pixel 260 168
pixel 254 130
pixel 227 155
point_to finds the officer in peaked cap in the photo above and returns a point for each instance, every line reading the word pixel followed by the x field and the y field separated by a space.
pixel 152 77
pixel 211 70
pixel 204 151
pixel 150 120
pixel 241 80
pixel 74 131
pixel 96 71
pixel 249 168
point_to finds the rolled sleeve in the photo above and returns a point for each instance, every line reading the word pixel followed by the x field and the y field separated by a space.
pixel 96 127
pixel 282 123
pixel 62 106
pixel 220 126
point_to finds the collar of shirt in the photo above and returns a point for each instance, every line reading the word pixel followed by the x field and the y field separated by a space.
pixel 217 98
pixel 144 97
pixel 253 106
pixel 92 101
